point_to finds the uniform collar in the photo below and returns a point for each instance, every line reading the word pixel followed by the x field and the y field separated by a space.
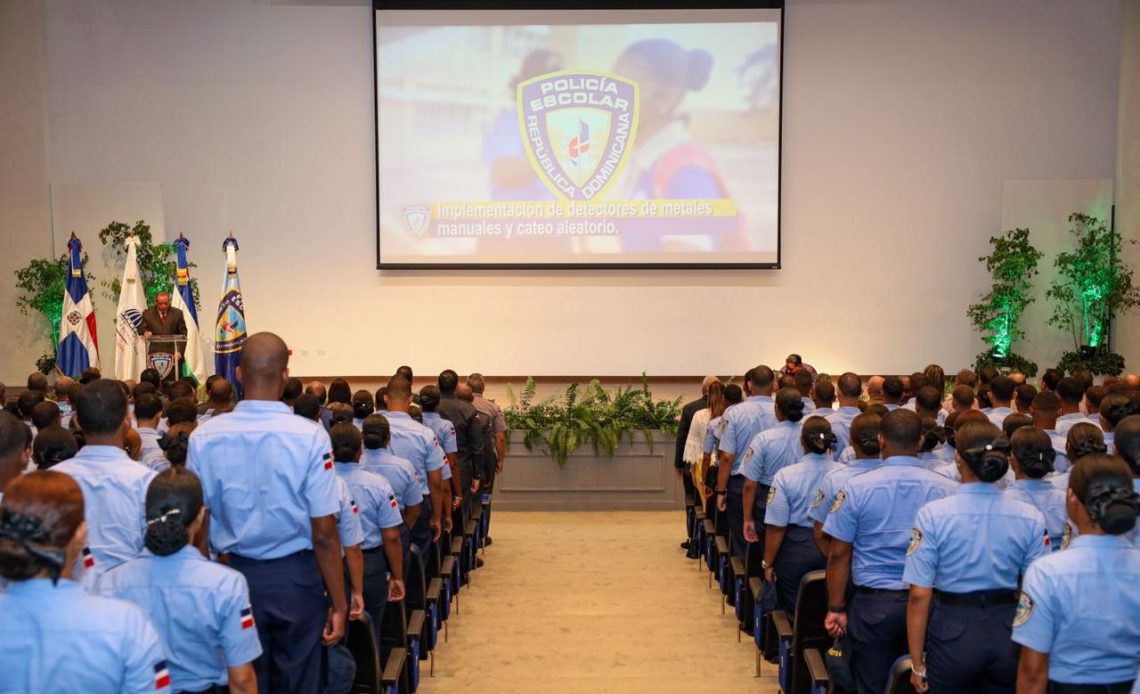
pixel 1033 484
pixel 262 406
pixel 759 398
pixel 43 586
pixel 903 460
pixel 816 458
pixel 188 553
pixel 865 463
pixel 398 415
pixel 1071 416
pixel 103 453
pixel 979 488
pixel 1108 541
pixel 346 465
pixel 432 415
pixel 846 409
pixel 787 424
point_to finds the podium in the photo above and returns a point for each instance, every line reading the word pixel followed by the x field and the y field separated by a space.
pixel 164 354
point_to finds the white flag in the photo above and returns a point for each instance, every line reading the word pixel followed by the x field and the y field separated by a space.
pixel 130 349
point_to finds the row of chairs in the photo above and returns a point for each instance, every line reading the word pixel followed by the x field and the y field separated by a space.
pixel 795 643
pixel 409 631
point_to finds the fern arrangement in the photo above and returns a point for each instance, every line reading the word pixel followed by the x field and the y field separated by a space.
pixel 563 423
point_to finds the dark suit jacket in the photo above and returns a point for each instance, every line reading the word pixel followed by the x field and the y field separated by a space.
pixel 175 324
pixel 686 423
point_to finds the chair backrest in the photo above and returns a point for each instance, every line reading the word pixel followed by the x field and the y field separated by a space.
pixel 393 629
pixel 753 558
pixel 899 680
pixel 807 628
pixel 415 583
pixel 361 642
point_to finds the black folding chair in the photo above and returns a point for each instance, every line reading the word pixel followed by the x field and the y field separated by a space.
pixel 806 632
pixel 371 677
pixel 899 680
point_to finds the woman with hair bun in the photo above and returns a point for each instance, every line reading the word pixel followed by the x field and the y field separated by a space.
pixel 966 554
pixel 400 473
pixel 1114 408
pixel 1077 616
pixel 864 440
pixel 200 608
pixel 769 452
pixel 362 406
pixel 789 546
pixel 175 444
pixel 52 446
pixel 57 637
pixel 1084 439
pixel 1031 456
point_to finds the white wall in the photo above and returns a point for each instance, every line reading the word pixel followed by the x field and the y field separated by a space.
pixel 902 120
pixel 1126 330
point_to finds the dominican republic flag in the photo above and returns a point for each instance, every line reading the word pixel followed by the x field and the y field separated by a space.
pixel 328 460
pixel 194 359
pixel 246 618
pixel 78 343
pixel 130 350
pixel 161 675
pixel 230 331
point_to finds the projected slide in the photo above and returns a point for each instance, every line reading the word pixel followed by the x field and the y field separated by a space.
pixel 578 138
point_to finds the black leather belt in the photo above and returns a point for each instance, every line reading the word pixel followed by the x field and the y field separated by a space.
pixel 1116 688
pixel 891 592
pixel 981 598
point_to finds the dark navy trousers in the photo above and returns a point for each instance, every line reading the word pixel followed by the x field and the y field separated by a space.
pixel 290 608
pixel 735 509
pixel 375 585
pixel 969 649
pixel 421 533
pixel 798 555
pixel 876 631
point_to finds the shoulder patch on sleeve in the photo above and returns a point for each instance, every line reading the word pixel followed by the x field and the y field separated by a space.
pixel 328 460
pixel 818 499
pixel 747 456
pixel 1024 609
pixel 771 495
pixel 915 541
pixel 839 499
pixel 1066 535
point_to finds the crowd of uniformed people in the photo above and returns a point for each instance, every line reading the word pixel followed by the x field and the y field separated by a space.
pixel 982 525
pixel 155 541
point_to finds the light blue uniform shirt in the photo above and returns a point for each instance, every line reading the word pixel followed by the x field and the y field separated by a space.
pixel 114 502
pixel 1061 463
pixel 266 473
pixel 977 539
pixel 841 426
pixel 444 430
pixel 1068 421
pixel 200 609
pixel 1080 606
pixel 152 455
pixel 832 482
pixel 997 415
pixel 375 499
pixel 417 444
pixel 400 473
pixel 63 639
pixel 1050 501
pixel 847 456
pixel 348 517
pixel 772 450
pixel 875 513
pixel 742 422
pixel 794 488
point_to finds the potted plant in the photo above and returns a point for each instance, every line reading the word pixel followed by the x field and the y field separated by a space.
pixel 1092 286
pixel 1012 263
pixel 156 260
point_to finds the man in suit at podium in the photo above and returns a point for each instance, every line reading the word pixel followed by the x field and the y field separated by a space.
pixel 158 321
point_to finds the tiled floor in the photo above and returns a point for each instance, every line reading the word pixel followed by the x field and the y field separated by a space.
pixel 592 602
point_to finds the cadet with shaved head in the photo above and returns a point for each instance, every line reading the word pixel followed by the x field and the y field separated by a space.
pixel 271 490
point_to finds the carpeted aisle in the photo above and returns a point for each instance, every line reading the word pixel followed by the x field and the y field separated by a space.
pixel 592 602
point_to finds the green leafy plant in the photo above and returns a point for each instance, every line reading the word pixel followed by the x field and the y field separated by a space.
pixel 1103 362
pixel 156 260
pixel 1007 364
pixel 41 284
pixel 1012 263
pixel 562 423
pixel 1093 285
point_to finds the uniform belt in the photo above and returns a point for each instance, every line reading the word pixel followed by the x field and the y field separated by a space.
pixel 1116 688
pixel 893 592
pixel 374 550
pixel 981 598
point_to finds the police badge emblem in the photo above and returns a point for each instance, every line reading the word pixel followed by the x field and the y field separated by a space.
pixel 578 129
pixel 771 495
pixel 1066 536
pixel 839 499
pixel 818 499
pixel 1024 609
pixel 162 362
pixel 915 541
pixel 417 218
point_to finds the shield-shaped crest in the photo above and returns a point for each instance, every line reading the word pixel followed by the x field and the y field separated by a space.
pixel 578 128
pixel 416 219
pixel 162 362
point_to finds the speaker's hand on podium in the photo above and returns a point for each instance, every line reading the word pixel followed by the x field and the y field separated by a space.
pixel 148 334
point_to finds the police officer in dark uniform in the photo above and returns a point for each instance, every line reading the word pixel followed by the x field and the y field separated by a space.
pixel 271 490
pixel 468 435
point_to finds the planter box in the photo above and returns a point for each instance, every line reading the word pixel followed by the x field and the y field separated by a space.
pixel 636 478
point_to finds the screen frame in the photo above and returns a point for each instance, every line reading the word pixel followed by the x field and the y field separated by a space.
pixel 378 5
